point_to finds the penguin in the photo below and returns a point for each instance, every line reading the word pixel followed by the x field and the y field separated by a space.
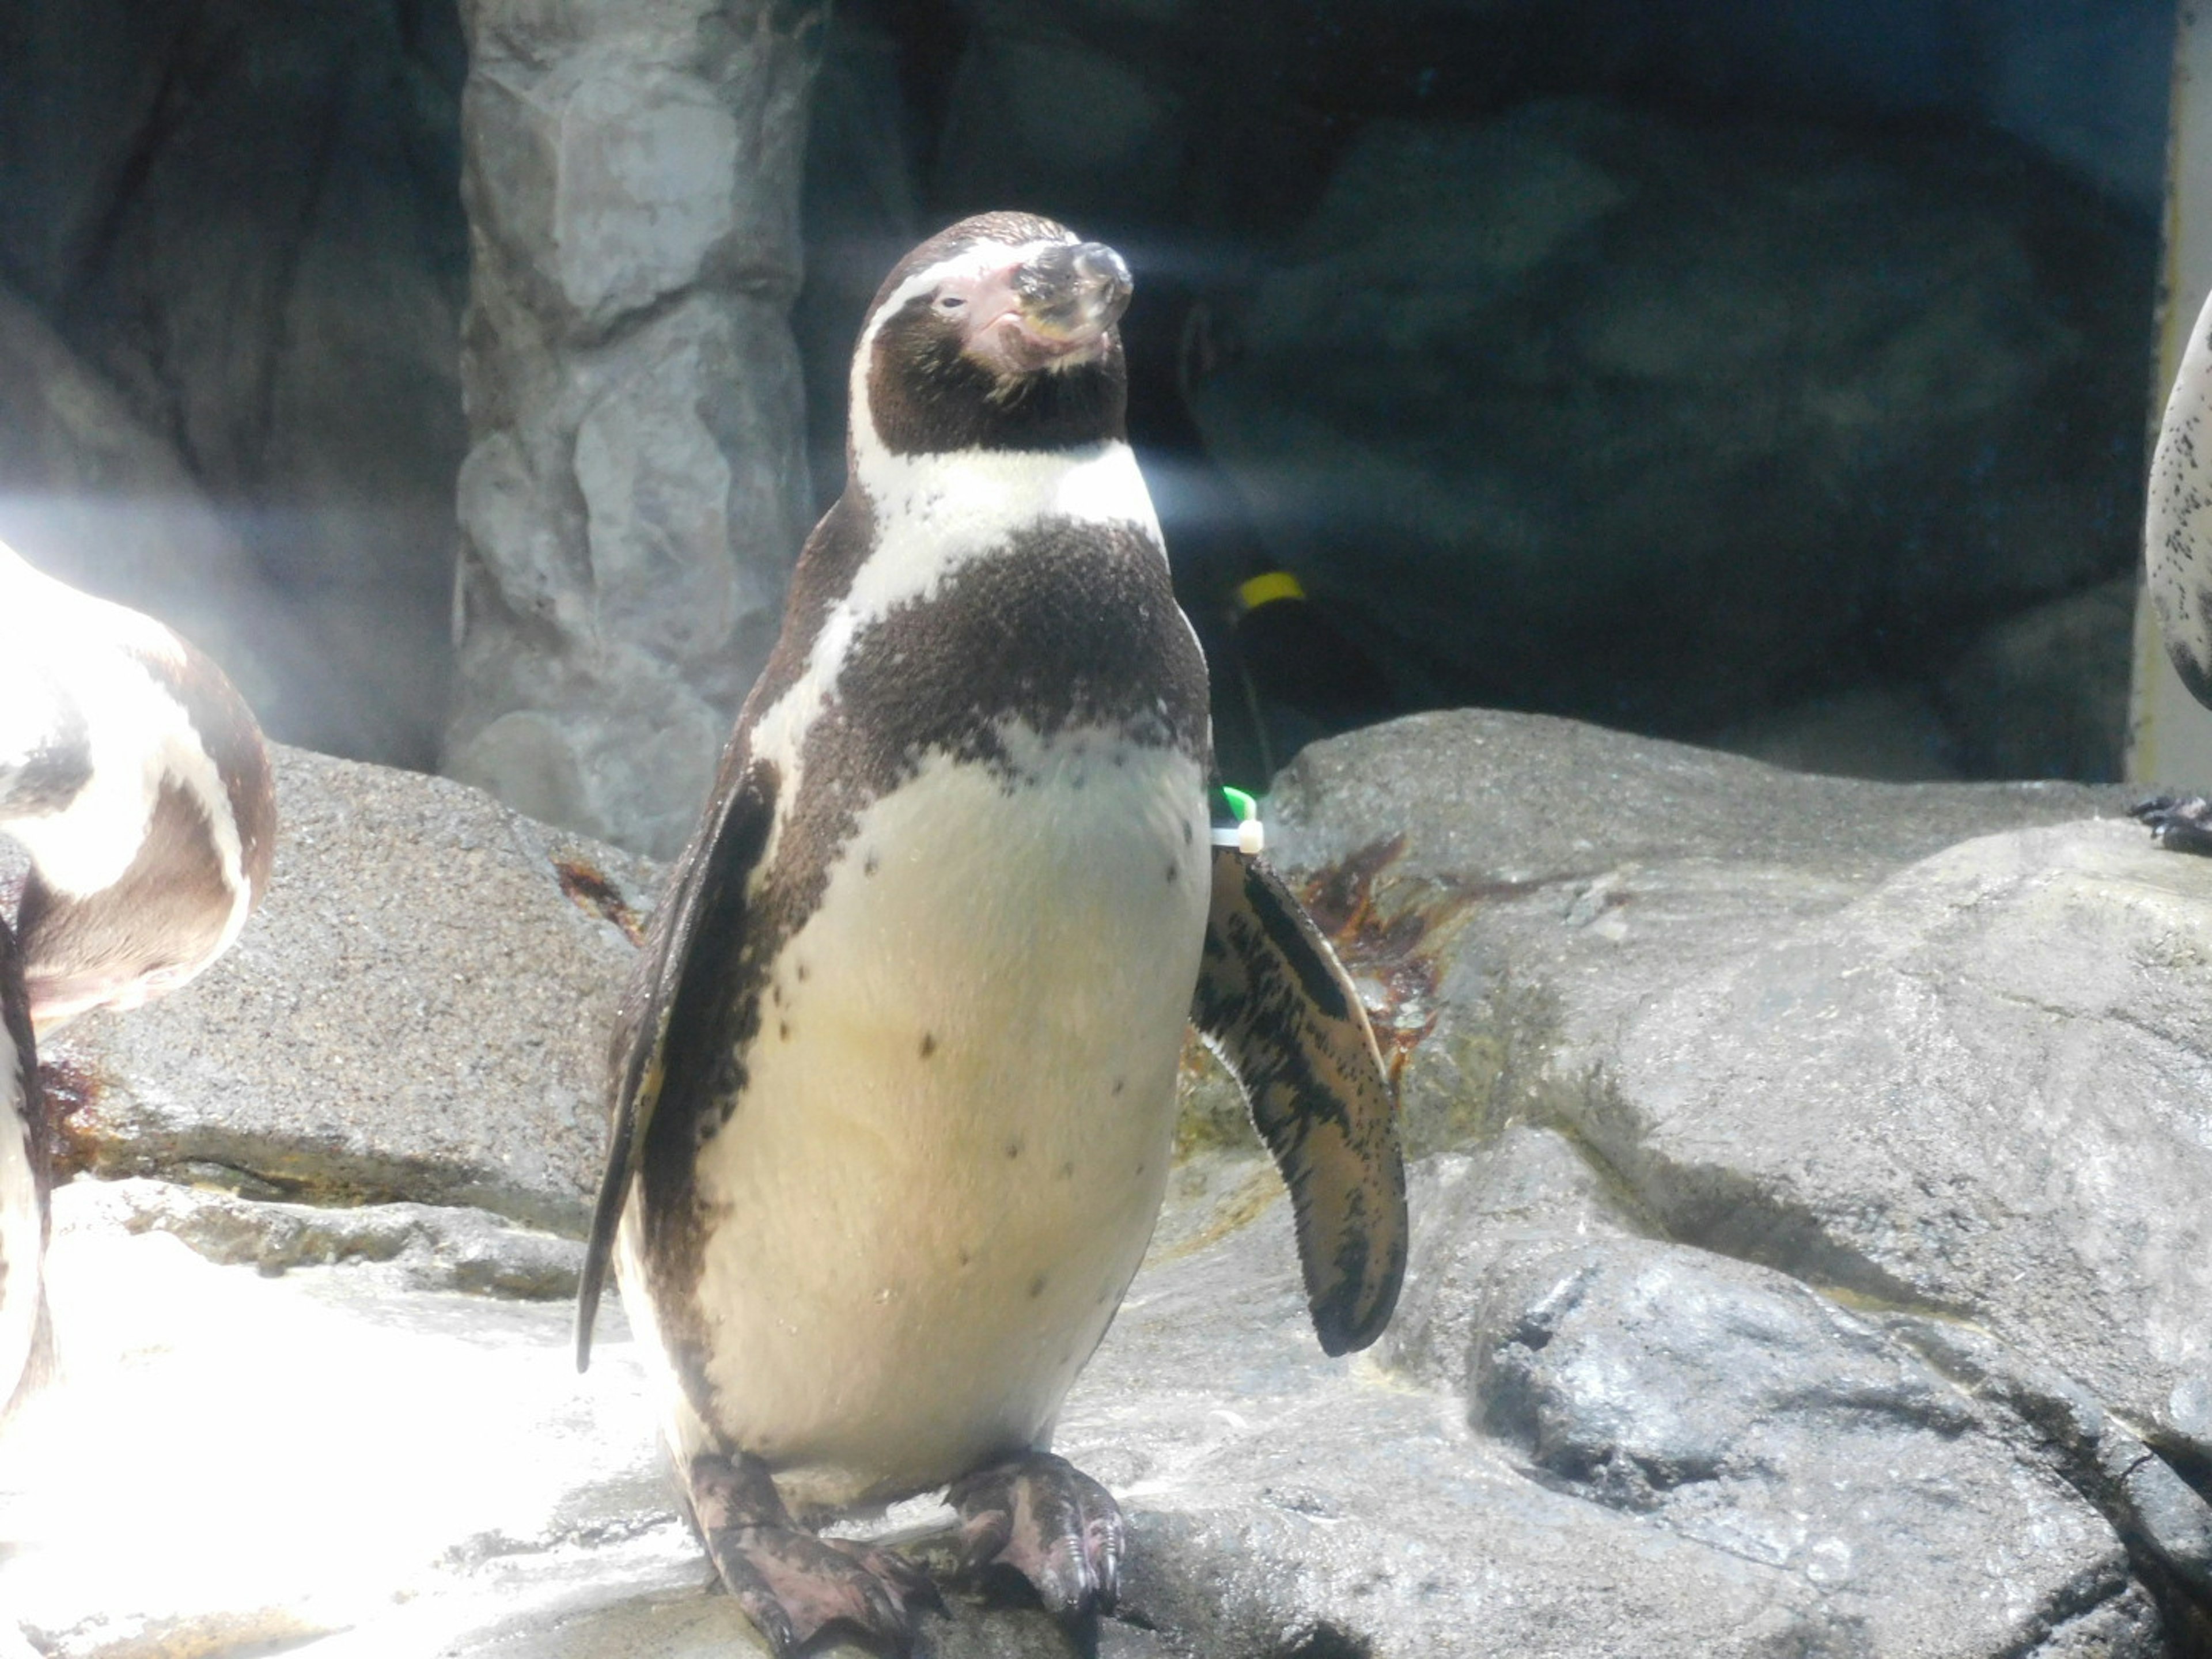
pixel 136 780
pixel 892 1091
pixel 25 1177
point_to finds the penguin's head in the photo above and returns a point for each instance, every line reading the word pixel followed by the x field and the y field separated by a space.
pixel 998 333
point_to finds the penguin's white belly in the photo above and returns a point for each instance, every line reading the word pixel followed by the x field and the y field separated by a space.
pixel 954 1130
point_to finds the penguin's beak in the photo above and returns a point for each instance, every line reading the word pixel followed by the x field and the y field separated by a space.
pixel 1073 292
pixel 1054 310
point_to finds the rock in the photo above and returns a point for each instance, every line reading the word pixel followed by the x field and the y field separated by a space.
pixel 428 1247
pixel 1511 886
pixel 417 1012
pixel 635 485
pixel 252 230
pixel 1996 1067
pixel 1565 407
pixel 1761 1419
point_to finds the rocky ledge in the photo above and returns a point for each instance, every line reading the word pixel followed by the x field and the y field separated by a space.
pixel 1811 1250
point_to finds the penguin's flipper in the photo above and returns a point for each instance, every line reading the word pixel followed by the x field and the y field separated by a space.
pixel 1275 1004
pixel 696 933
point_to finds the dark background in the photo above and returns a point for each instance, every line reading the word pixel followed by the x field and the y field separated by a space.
pixel 1772 375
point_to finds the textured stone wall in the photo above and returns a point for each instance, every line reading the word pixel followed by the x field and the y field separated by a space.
pixel 635 487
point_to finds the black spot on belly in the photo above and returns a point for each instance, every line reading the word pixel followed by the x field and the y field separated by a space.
pixel 1171 875
pixel 1013 1149
pixel 801 971
pixel 1120 1083
pixel 1188 836
pixel 870 865
pixel 783 1029
pixel 1067 1172
pixel 965 1258
pixel 1037 1286
pixel 928 1045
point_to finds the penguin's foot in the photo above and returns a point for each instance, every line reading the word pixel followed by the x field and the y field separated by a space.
pixel 1048 1521
pixel 792 1584
pixel 2178 823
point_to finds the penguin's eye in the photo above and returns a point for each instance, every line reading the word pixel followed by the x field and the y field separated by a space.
pixel 950 303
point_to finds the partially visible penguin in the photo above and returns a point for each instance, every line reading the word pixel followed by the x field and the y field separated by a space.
pixel 893 1090
pixel 24 1174
pixel 136 780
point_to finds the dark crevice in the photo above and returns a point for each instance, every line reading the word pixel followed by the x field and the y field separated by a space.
pixel 1322 1640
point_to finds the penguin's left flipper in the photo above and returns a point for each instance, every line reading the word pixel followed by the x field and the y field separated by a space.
pixel 696 933
pixel 1275 1004
pixel 2178 824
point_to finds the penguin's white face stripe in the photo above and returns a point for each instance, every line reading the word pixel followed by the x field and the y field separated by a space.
pixel 942 512
pixel 20 1229
pixel 868 451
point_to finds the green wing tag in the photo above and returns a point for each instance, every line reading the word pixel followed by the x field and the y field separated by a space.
pixel 1243 831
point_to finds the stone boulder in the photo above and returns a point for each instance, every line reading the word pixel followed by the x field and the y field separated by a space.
pixel 1804 1257
pixel 418 1011
pixel 635 485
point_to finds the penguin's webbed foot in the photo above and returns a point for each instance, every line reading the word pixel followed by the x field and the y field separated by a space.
pixel 792 1584
pixel 2180 824
pixel 1045 1519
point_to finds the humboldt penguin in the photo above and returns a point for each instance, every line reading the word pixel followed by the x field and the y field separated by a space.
pixel 134 779
pixel 893 1089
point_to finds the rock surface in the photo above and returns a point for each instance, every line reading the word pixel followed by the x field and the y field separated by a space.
pixel 418 1011
pixel 635 486
pixel 1804 1257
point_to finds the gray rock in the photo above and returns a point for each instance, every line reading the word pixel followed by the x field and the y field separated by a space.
pixel 635 486
pixel 1736 1407
pixel 427 1246
pixel 1512 886
pixel 1997 1070
pixel 417 1012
